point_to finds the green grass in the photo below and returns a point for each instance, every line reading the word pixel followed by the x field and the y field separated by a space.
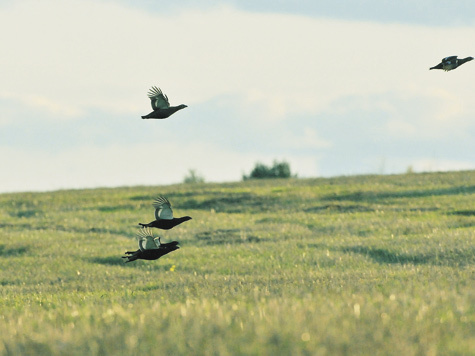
pixel 364 265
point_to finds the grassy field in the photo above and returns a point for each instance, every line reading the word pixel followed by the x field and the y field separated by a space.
pixel 364 265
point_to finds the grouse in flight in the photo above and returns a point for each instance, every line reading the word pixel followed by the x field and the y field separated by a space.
pixel 452 62
pixel 150 248
pixel 161 106
pixel 164 215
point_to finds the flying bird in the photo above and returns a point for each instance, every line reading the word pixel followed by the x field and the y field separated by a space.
pixel 164 215
pixel 452 62
pixel 161 106
pixel 150 248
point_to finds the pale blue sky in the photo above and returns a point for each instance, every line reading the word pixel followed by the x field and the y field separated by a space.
pixel 334 88
pixel 424 12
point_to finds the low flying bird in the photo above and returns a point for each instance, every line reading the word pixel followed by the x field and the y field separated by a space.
pixel 161 106
pixel 150 248
pixel 452 62
pixel 164 215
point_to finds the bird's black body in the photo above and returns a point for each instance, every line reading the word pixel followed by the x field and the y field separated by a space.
pixel 450 63
pixel 154 254
pixel 166 224
pixel 160 105
pixel 164 215
pixel 164 113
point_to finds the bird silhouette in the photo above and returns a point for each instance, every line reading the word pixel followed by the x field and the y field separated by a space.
pixel 452 62
pixel 164 215
pixel 150 247
pixel 161 106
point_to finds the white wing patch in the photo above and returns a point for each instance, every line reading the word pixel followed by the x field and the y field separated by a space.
pixel 147 241
pixel 159 100
pixel 163 209
pixel 449 59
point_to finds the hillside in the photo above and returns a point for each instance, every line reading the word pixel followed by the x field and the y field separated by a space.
pixel 349 265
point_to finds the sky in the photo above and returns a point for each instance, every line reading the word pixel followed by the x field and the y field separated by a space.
pixel 332 88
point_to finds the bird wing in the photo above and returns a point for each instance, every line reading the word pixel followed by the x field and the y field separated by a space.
pixel 450 59
pixel 159 100
pixel 163 209
pixel 146 240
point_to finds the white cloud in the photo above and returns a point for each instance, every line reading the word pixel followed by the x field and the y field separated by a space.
pixel 401 128
pixel 37 103
pixel 308 139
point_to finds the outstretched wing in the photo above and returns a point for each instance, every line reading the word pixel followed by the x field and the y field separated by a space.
pixel 159 100
pixel 146 240
pixel 163 209
pixel 450 59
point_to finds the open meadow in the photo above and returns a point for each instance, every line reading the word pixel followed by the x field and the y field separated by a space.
pixel 363 265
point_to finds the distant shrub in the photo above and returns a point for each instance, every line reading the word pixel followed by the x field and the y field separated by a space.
pixel 278 170
pixel 193 177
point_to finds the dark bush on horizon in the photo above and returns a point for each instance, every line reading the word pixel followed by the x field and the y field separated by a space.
pixel 278 170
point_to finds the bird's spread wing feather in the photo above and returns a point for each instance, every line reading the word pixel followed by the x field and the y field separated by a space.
pixel 163 209
pixel 449 59
pixel 146 240
pixel 158 99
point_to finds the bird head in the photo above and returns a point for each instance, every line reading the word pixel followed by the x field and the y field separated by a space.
pixel 170 246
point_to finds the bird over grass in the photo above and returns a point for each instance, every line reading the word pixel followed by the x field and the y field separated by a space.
pixel 150 247
pixel 164 215
pixel 452 62
pixel 161 106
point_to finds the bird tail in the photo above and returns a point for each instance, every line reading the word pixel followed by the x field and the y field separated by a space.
pixel 130 258
pixel 148 116
pixel 438 66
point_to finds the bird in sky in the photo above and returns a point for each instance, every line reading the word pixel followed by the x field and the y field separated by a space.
pixel 452 62
pixel 161 106
pixel 150 247
pixel 164 215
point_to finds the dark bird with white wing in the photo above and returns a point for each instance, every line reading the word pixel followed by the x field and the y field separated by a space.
pixel 452 62
pixel 164 215
pixel 161 106
pixel 150 247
